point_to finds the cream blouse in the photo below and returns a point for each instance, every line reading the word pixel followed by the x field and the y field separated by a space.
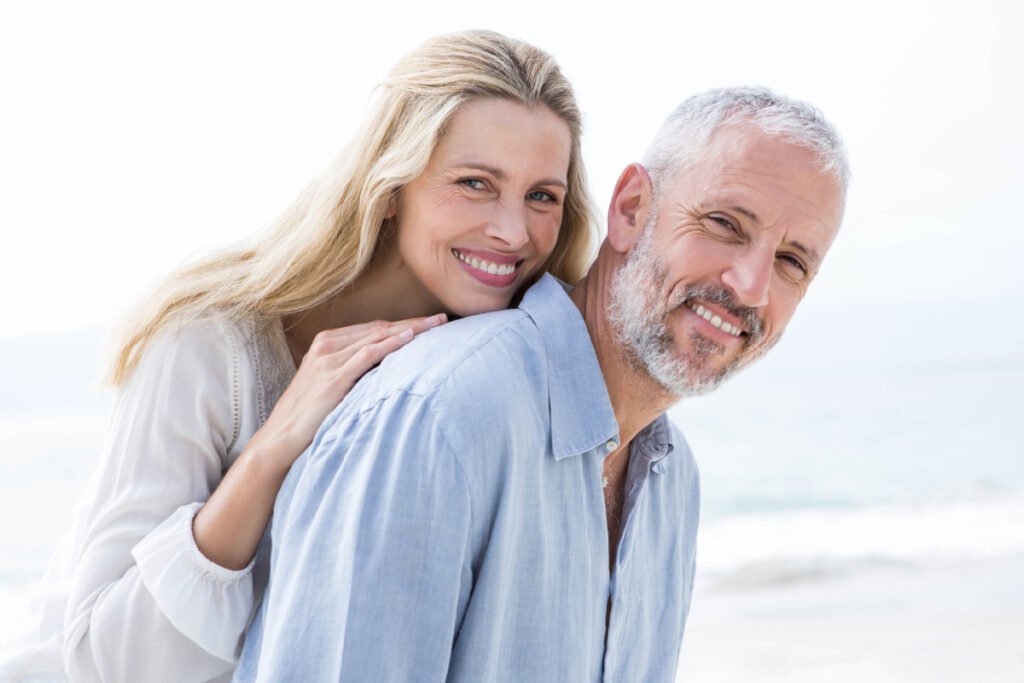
pixel 128 596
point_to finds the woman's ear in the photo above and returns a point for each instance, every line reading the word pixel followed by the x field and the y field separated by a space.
pixel 629 208
pixel 392 207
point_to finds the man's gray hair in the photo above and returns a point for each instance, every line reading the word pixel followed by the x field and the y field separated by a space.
pixel 687 131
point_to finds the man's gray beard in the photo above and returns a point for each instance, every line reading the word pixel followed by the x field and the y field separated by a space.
pixel 641 325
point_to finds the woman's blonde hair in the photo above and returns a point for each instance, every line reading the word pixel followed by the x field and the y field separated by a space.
pixel 328 237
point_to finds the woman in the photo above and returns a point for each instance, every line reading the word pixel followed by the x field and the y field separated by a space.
pixel 464 184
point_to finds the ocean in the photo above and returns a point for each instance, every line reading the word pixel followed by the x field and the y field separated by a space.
pixel 900 446
pixel 825 472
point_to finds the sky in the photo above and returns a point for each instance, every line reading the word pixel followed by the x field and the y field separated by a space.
pixel 134 136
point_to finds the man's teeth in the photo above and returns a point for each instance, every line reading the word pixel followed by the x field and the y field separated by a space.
pixel 486 266
pixel 714 319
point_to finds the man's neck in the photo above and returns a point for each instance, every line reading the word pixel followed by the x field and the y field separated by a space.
pixel 636 398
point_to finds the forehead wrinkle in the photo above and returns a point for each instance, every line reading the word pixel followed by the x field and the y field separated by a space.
pixel 777 179
pixel 807 208
pixel 812 202
pixel 736 196
pixel 715 181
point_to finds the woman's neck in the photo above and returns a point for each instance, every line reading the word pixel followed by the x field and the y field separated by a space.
pixel 387 290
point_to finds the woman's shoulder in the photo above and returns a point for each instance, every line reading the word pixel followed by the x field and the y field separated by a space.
pixel 210 348
pixel 210 338
pixel 186 381
pixel 246 357
pixel 218 334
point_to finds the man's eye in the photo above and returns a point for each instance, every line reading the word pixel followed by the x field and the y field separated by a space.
pixel 794 264
pixel 542 196
pixel 473 183
pixel 725 223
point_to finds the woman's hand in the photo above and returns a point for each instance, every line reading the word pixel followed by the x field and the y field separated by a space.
pixel 228 528
pixel 333 364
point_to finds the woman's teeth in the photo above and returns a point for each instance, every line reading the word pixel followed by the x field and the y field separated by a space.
pixel 714 319
pixel 485 266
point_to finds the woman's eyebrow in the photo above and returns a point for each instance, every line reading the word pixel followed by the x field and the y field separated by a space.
pixel 500 175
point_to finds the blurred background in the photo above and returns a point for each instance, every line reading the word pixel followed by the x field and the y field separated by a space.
pixel 863 485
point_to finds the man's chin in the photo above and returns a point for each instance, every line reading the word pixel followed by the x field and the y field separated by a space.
pixel 685 378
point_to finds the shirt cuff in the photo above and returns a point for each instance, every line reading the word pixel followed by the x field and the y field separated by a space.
pixel 208 603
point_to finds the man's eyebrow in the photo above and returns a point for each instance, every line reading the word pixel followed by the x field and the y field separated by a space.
pixel 500 175
pixel 746 212
pixel 810 254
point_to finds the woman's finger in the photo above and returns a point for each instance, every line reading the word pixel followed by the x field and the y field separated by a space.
pixel 369 355
pixel 420 325
pixel 331 341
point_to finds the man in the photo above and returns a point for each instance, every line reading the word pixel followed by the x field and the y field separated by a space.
pixel 504 500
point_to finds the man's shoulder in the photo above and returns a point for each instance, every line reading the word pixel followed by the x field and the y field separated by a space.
pixel 482 359
pixel 473 383
pixel 492 344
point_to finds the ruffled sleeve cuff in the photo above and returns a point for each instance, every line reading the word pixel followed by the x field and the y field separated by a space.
pixel 208 603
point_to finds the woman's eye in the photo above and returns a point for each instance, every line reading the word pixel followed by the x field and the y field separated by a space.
pixel 473 183
pixel 541 196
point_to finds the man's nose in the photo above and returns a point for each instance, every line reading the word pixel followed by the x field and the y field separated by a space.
pixel 750 276
pixel 509 226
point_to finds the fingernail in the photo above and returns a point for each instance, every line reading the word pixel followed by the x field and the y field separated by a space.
pixel 438 319
pixel 406 334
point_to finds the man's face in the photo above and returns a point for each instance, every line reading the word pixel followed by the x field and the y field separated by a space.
pixel 724 260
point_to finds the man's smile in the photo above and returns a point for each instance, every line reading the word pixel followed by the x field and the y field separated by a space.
pixel 715 319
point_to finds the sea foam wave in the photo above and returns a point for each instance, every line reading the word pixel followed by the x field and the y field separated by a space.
pixel 803 543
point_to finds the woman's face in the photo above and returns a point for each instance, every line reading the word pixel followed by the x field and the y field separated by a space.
pixel 484 215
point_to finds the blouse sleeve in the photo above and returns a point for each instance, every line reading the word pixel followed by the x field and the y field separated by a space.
pixel 145 604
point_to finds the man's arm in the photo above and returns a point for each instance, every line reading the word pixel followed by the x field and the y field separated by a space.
pixel 370 575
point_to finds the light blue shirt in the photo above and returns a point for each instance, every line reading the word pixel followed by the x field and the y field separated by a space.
pixel 448 521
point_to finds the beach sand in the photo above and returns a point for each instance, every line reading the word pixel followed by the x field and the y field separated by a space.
pixel 953 621
pixel 949 623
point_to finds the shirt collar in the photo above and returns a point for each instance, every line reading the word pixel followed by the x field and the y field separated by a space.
pixel 581 411
pixel 656 440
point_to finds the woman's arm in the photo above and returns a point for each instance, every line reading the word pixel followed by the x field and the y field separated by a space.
pixel 144 604
pixel 229 527
pixel 147 602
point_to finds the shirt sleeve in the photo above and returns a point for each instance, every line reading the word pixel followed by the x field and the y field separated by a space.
pixel 371 570
pixel 144 603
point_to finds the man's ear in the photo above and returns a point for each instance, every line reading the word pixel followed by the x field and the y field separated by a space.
pixel 630 207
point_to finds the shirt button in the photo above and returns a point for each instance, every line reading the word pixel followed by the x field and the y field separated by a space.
pixel 658 467
pixel 611 445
